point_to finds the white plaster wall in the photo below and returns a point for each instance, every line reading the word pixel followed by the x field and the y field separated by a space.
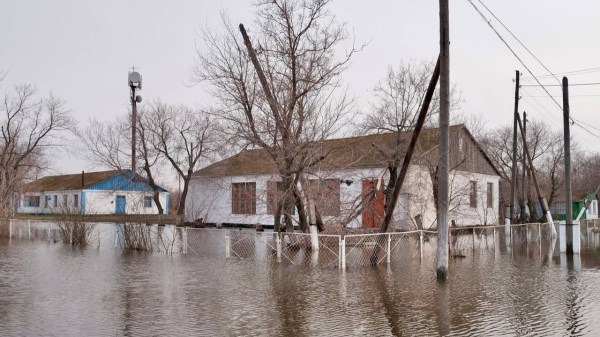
pixel 209 198
pixel 96 202
pixel 104 202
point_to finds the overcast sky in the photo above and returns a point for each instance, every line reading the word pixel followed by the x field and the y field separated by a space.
pixel 82 50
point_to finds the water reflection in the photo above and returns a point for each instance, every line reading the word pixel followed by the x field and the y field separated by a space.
pixel 55 289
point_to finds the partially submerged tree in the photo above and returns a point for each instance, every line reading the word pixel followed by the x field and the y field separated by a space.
pixel 282 90
pixel 30 126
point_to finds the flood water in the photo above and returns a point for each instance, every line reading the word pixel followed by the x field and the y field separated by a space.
pixel 52 289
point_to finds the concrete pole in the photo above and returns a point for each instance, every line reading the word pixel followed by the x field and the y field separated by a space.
pixel 421 244
pixel 568 196
pixel 513 177
pixel 312 213
pixel 343 253
pixel 133 126
pixel 442 248
pixel 389 248
pixel 524 176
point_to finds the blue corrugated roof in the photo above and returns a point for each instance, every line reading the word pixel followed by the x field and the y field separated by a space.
pixel 123 182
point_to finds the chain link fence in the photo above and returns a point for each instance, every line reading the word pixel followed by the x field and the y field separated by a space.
pixel 325 251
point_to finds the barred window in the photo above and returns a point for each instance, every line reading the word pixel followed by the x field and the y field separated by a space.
pixel 243 198
pixel 148 202
pixel 31 201
pixel 473 194
pixel 326 193
pixel 275 190
pixel 490 195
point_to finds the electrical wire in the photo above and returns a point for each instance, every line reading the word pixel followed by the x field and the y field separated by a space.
pixel 560 85
pixel 572 73
pixel 513 35
pixel 512 51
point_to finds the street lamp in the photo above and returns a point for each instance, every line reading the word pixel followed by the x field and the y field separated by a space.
pixel 135 83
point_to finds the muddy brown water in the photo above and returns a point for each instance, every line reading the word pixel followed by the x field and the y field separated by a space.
pixel 50 289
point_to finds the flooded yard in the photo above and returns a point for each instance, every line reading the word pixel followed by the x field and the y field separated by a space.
pixel 53 289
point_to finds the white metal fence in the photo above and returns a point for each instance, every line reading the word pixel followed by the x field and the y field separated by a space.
pixel 329 251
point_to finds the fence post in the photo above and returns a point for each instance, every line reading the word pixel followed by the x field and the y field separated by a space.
pixel 343 253
pixel 389 248
pixel 421 243
pixel 28 229
pixel 494 237
pixel 71 236
pixel 117 234
pixel 473 240
pixel 48 230
pixel 185 239
pixel 278 245
pixel 10 228
pixel 227 246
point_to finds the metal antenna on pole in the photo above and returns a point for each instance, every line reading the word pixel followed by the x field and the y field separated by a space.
pixel 135 83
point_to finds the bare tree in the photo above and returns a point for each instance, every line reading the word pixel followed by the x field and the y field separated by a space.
pixel 30 126
pixel 183 136
pixel 282 91
pixel 107 144
pixel 395 108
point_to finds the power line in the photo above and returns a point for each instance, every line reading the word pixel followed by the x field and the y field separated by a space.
pixel 512 51
pixel 574 72
pixel 513 35
pixel 569 96
pixel 560 85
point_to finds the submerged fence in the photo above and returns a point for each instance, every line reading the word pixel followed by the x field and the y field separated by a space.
pixel 321 250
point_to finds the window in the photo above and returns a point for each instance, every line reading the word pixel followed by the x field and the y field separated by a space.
pixel 490 195
pixel 275 190
pixel 55 201
pixel 75 200
pixel 65 199
pixel 148 202
pixel 46 198
pixel 243 198
pixel 473 194
pixel 31 201
pixel 327 196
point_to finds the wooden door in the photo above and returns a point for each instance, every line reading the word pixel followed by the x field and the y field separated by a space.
pixel 373 203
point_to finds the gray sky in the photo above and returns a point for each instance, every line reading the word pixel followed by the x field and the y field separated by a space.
pixel 81 51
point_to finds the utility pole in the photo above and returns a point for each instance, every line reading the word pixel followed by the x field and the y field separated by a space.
pixel 541 198
pixel 442 225
pixel 135 83
pixel 523 183
pixel 567 132
pixel 513 177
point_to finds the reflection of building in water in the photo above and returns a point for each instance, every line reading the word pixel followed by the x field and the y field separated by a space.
pixel 105 192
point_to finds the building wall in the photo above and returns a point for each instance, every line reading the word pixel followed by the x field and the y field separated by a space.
pixel 96 202
pixel 209 198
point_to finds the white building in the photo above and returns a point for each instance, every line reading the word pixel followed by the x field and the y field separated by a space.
pixel 243 189
pixel 105 192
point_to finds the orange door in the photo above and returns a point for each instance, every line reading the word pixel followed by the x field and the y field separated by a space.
pixel 373 203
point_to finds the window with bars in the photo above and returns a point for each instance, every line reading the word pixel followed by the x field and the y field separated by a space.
pixel 243 198
pixel 31 201
pixel 148 202
pixel 473 194
pixel 275 190
pixel 490 195
pixel 327 196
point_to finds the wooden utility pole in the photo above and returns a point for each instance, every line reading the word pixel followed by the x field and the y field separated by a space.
pixel 541 198
pixel 524 176
pixel 411 147
pixel 513 177
pixel 442 221
pixel 568 196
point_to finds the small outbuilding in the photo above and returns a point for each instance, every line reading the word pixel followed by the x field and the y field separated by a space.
pixel 104 192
